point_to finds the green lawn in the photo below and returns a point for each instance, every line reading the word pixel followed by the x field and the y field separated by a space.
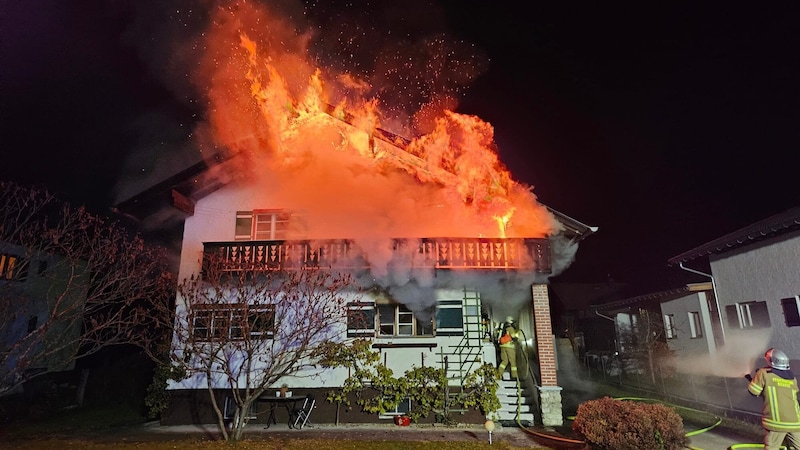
pixel 101 428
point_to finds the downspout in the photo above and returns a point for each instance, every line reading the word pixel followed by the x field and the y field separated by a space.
pixel 605 317
pixel 616 337
pixel 716 297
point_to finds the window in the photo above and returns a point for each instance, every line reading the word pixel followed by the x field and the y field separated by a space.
pixel 361 319
pixel 748 315
pixel 268 225
pixel 449 318
pixel 230 407
pixel 12 268
pixel 695 325
pixel 669 326
pixel 33 322
pixel 791 311
pixel 233 322
pixel 399 320
pixel 403 408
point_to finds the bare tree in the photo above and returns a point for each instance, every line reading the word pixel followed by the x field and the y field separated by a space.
pixel 71 283
pixel 245 328
pixel 643 341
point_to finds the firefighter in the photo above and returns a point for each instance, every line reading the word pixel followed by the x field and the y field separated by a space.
pixel 777 385
pixel 508 336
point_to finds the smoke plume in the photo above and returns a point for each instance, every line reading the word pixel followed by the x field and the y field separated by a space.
pixel 337 114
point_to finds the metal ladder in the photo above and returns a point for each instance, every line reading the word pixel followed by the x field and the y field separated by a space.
pixel 461 359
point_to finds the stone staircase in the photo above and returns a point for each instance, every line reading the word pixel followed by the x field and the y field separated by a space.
pixel 517 403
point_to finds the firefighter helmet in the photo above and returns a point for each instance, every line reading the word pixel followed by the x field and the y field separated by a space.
pixel 509 319
pixel 777 359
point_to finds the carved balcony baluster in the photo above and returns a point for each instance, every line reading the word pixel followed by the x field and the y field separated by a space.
pixel 438 253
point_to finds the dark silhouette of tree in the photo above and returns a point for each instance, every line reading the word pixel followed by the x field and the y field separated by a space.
pixel 71 284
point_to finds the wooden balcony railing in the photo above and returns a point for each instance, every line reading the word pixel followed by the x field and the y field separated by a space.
pixel 439 253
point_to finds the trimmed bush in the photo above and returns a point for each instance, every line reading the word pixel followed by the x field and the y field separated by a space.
pixel 609 424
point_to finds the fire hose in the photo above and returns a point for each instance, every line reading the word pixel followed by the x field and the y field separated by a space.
pixel 689 434
pixel 577 442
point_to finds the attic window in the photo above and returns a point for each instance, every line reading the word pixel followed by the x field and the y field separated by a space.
pixel 269 225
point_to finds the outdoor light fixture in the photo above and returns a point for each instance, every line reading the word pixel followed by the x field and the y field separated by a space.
pixel 489 425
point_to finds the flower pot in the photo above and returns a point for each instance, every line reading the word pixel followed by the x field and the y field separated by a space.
pixel 402 421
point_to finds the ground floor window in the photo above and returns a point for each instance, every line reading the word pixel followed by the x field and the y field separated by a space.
pixel 368 319
pixel 402 409
pixel 236 321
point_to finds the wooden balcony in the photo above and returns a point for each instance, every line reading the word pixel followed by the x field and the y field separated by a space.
pixel 437 253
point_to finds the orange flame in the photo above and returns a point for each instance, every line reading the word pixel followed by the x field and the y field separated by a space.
pixel 351 176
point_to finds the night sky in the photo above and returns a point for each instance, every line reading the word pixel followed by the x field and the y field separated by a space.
pixel 666 127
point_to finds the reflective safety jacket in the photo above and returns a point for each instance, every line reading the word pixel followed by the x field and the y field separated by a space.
pixel 512 332
pixel 781 410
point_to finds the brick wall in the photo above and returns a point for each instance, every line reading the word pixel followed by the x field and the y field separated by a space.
pixel 544 335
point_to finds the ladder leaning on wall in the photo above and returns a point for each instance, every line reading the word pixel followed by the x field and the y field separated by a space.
pixel 460 359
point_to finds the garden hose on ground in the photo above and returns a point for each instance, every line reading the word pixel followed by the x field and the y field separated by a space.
pixel 577 442
pixel 689 434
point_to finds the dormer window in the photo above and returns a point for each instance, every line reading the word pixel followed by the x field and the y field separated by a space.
pixel 269 225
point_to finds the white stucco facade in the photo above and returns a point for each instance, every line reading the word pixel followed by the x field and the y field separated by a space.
pixel 214 220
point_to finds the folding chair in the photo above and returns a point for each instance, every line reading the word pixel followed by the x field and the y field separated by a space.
pixel 301 414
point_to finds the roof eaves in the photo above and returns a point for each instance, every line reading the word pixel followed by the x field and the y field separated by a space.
pixel 654 297
pixel 773 225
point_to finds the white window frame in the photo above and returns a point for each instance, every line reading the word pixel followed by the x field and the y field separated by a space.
pixel 695 324
pixel 744 313
pixel 400 322
pixel 355 309
pixel 669 326
pixel 230 321
pixel 454 304
pixel 402 408
pixel 267 224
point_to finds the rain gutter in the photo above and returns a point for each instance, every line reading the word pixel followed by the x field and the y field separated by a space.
pixel 716 297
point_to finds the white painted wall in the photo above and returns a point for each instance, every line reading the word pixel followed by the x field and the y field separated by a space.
pixel 689 352
pixel 214 220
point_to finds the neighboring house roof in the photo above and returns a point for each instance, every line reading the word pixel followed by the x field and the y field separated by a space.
pixel 653 298
pixel 581 296
pixel 778 224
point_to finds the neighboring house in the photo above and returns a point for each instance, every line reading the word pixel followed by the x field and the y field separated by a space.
pixel 690 328
pixel 471 278
pixel 755 273
pixel 575 318
pixel 677 317
pixel 40 305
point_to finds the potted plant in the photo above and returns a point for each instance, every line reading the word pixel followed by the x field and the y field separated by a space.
pixel 284 389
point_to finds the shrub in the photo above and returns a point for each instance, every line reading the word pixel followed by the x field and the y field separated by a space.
pixel 609 424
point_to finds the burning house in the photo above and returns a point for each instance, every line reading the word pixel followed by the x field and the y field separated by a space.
pixel 443 243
